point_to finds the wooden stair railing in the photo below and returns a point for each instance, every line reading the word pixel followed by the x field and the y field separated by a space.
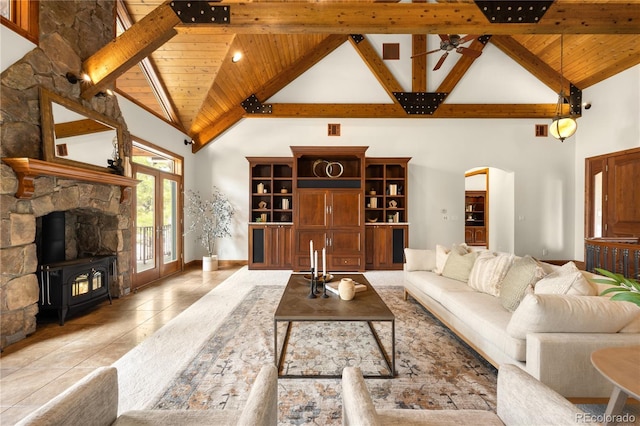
pixel 618 255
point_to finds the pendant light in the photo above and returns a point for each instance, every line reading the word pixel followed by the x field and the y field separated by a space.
pixel 562 126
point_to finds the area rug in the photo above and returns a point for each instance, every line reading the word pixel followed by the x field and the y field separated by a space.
pixel 435 370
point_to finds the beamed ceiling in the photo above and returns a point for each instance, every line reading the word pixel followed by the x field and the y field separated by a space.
pixel 183 71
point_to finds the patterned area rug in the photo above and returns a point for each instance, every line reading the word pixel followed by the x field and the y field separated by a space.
pixel 435 370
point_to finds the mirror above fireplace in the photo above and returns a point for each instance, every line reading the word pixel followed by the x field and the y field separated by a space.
pixel 78 136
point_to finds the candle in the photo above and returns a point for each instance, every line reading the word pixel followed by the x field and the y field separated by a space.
pixel 311 253
pixel 315 260
pixel 324 261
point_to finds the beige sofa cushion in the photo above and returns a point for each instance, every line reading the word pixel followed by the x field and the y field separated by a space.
pixel 419 260
pixel 556 313
pixel 519 280
pixel 458 266
pixel 442 254
pixel 566 280
pixel 489 270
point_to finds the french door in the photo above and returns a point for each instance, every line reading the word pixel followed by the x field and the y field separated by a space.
pixel 158 224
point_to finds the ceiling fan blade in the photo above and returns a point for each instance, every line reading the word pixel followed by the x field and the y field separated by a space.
pixel 444 37
pixel 467 38
pixel 425 53
pixel 469 52
pixel 441 61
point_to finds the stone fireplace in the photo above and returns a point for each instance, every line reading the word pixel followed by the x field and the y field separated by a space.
pixel 98 212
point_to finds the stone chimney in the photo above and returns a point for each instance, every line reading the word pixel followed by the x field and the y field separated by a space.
pixel 70 32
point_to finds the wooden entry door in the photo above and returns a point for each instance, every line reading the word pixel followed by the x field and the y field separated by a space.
pixel 612 198
pixel 158 225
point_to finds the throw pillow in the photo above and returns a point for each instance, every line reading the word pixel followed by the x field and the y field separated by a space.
pixel 441 258
pixel 567 280
pixel 419 260
pixel 561 313
pixel 519 281
pixel 458 266
pixel 489 270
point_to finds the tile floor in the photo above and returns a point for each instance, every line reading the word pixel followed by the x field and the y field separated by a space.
pixel 36 369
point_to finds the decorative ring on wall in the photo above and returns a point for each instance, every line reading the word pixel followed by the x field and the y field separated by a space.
pixel 330 171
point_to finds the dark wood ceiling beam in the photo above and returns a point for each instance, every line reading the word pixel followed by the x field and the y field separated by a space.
pixel 419 63
pixel 149 70
pixel 114 59
pixel 542 111
pixel 459 69
pixel 539 69
pixel 564 16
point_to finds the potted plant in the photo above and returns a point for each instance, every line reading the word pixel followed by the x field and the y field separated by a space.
pixel 626 289
pixel 212 217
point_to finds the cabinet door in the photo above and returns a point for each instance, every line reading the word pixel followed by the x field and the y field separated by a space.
pixel 283 241
pixel 345 250
pixel 345 208
pixel 311 208
pixel 479 235
pixel 259 247
pixel 301 242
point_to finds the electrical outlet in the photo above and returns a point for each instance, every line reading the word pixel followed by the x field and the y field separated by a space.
pixel 445 217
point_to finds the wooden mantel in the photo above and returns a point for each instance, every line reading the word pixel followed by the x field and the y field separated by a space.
pixel 27 169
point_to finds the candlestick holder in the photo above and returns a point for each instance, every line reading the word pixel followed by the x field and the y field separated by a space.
pixel 312 290
pixel 324 287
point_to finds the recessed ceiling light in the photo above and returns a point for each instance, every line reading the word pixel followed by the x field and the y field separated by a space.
pixel 236 57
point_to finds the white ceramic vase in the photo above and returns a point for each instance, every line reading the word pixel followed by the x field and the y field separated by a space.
pixel 210 263
pixel 347 289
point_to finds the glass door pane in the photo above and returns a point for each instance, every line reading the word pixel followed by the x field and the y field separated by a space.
pixel 169 221
pixel 145 222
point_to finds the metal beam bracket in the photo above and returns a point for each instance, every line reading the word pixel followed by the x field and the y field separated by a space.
pixel 357 38
pixel 512 11
pixel 201 12
pixel 420 103
pixel 575 100
pixel 252 105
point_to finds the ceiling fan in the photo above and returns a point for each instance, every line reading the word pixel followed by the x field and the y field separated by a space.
pixel 449 42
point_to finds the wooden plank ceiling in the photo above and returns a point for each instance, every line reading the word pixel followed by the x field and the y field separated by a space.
pixel 191 81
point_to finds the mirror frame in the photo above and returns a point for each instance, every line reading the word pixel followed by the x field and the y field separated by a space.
pixel 47 98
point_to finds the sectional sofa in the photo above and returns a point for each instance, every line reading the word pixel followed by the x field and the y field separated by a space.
pixel 544 318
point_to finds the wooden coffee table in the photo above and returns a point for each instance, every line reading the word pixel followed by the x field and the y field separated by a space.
pixel 619 365
pixel 367 306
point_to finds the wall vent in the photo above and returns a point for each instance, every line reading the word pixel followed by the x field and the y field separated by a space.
pixel 390 51
pixel 542 130
pixel 334 129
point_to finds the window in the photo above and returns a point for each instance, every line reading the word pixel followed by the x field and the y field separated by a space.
pixel 21 16
pixel 155 157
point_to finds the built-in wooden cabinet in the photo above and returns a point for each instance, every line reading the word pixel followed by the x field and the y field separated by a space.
pixel 386 212
pixel 385 244
pixel 271 184
pixel 475 230
pixel 386 190
pixel 328 188
pixel 270 246
pixel 328 201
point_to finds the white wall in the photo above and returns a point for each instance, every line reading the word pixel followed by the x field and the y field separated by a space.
pixel 13 47
pixel 501 210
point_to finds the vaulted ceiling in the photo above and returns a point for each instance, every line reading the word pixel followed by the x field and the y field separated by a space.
pixel 183 71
